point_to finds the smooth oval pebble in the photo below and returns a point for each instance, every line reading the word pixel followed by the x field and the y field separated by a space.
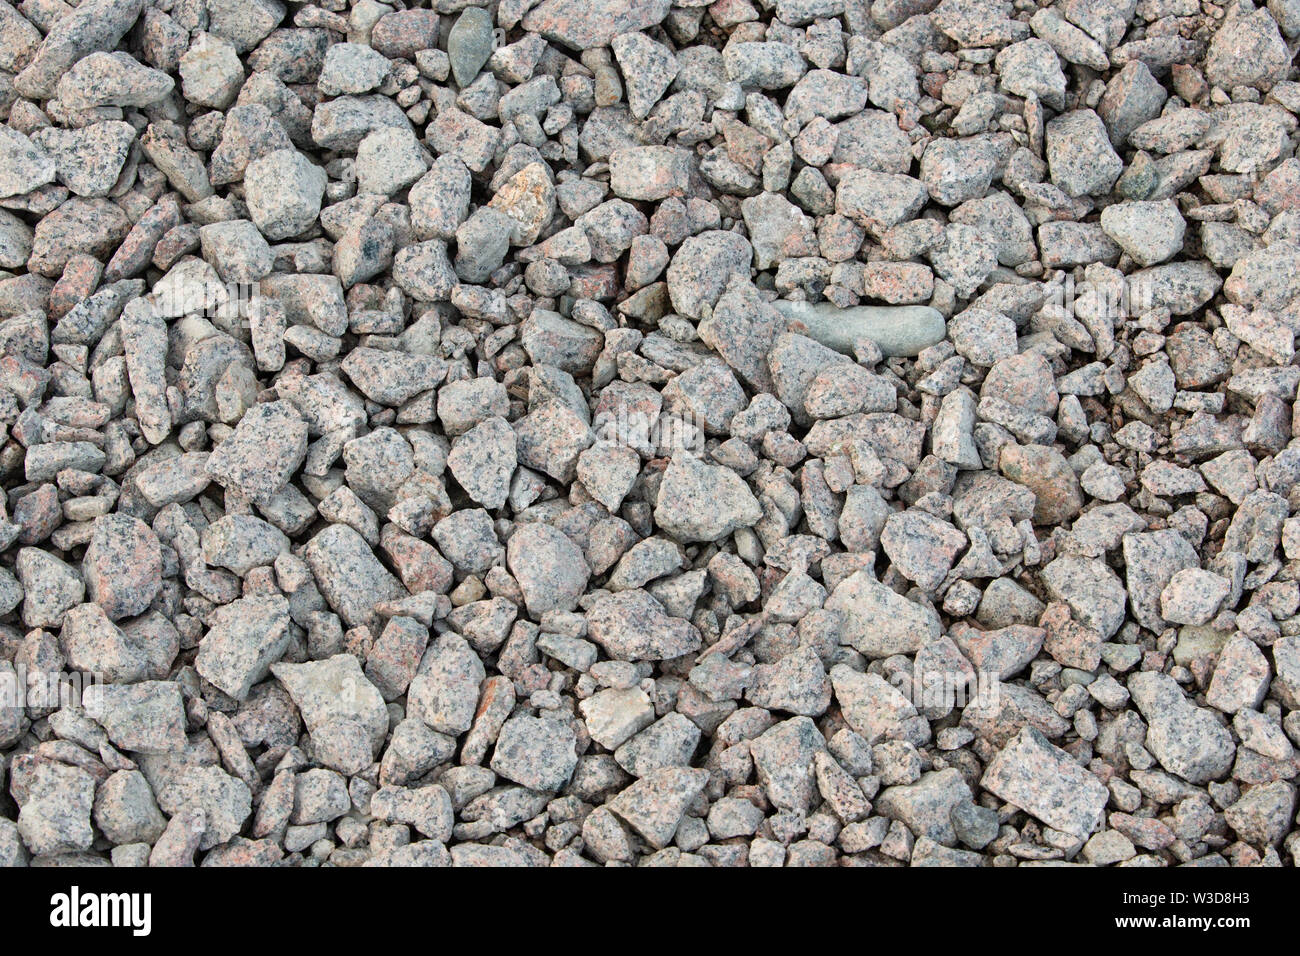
pixel 897 329
pixel 469 44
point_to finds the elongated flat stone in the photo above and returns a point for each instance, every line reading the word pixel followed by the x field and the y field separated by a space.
pixel 898 330
pixel 144 339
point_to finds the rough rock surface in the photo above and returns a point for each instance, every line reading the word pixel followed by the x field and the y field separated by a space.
pixel 650 432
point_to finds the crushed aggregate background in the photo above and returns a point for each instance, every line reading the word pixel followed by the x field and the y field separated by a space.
pixel 604 432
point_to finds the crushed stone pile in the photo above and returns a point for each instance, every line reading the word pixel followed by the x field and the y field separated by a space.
pixel 649 432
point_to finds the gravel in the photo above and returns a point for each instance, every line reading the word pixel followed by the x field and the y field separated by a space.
pixel 649 432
